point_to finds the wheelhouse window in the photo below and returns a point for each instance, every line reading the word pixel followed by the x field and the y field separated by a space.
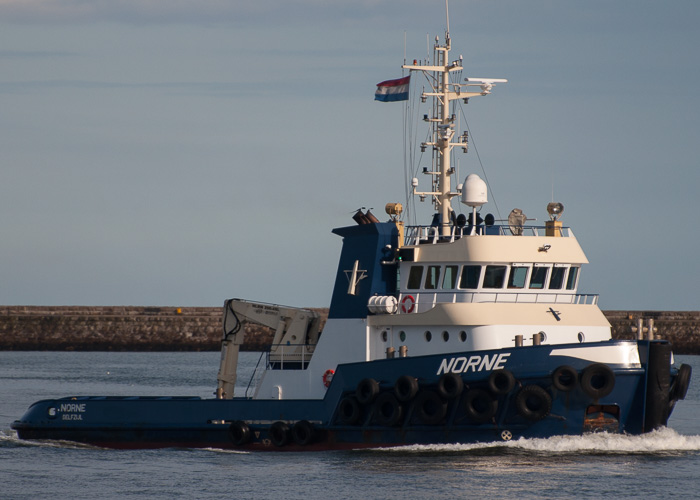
pixel 450 279
pixel 517 277
pixel 494 276
pixel 433 278
pixel 557 279
pixel 539 277
pixel 415 277
pixel 571 280
pixel 470 277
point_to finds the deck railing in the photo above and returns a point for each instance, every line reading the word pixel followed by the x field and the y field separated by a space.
pixel 297 354
pixel 425 301
pixel 417 235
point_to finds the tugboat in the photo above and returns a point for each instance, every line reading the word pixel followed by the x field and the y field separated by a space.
pixel 459 331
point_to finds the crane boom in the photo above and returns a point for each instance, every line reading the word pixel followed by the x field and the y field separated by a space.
pixel 296 334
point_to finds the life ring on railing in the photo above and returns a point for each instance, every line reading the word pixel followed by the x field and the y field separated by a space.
pixel 408 303
pixel 328 377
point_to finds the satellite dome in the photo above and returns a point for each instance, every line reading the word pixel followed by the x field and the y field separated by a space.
pixel 474 191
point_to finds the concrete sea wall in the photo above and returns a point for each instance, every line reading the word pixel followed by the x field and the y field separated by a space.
pixel 131 328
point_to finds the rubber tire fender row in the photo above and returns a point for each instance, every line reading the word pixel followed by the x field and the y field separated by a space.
pixel 429 407
pixel 533 402
pixel 349 410
pixel 279 433
pixel 240 433
pixel 501 382
pixel 367 390
pixel 597 380
pixel 406 388
pixel 387 409
pixel 303 432
pixel 479 405
pixel 565 378
pixel 450 386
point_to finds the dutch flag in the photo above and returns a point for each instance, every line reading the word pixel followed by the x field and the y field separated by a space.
pixel 392 90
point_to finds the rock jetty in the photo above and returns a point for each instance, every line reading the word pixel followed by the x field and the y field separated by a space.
pixel 135 328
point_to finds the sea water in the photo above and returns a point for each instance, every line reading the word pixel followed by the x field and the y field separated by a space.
pixel 662 464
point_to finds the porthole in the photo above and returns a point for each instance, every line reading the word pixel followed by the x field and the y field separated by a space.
pixel 428 336
pixel 543 337
pixel 384 336
pixel 463 336
pixel 402 336
pixel 445 336
pixel 581 337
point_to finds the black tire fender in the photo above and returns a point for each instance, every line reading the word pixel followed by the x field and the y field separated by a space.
pixel 533 402
pixel 679 389
pixel 430 407
pixel 387 409
pixel 240 433
pixel 565 378
pixel 450 386
pixel 597 380
pixel 479 405
pixel 406 388
pixel 279 433
pixel 366 391
pixel 303 432
pixel 348 410
pixel 501 382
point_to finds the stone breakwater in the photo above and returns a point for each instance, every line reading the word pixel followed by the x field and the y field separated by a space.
pixel 131 328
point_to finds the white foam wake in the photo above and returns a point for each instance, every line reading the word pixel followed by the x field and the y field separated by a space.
pixel 9 437
pixel 663 440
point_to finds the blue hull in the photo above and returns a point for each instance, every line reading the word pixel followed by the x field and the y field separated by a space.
pixel 362 408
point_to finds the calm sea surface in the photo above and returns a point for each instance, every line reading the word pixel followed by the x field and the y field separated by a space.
pixel 663 464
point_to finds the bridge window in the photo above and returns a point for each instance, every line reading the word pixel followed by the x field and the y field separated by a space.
pixel 494 276
pixel 433 278
pixel 415 277
pixel 470 277
pixel 450 278
pixel 539 277
pixel 557 279
pixel 518 277
pixel 571 280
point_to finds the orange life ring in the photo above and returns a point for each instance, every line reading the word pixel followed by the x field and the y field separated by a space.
pixel 328 377
pixel 411 304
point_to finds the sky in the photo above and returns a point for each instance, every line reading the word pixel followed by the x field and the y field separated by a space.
pixel 179 153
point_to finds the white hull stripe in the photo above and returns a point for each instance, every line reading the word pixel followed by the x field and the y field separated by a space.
pixel 626 355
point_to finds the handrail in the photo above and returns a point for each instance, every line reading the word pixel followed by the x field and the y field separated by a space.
pixel 252 377
pixel 416 235
pixel 425 301
pixel 278 350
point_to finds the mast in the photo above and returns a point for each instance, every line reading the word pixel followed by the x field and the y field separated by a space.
pixel 443 139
